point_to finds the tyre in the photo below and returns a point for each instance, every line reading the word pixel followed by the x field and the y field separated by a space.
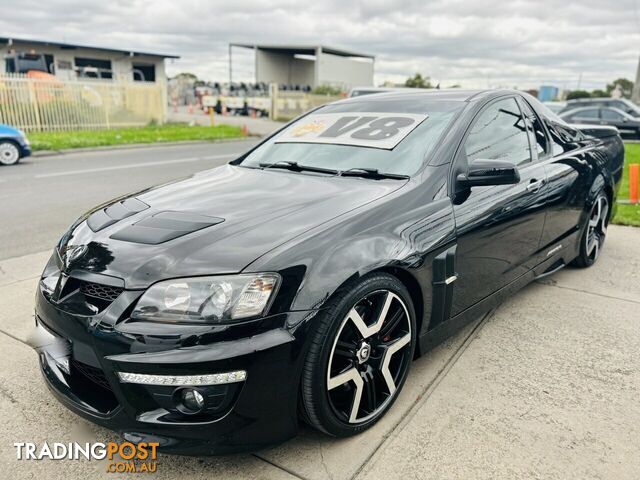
pixel 9 153
pixel 359 357
pixel 594 233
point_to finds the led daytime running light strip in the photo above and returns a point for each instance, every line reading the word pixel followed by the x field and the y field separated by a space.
pixel 181 380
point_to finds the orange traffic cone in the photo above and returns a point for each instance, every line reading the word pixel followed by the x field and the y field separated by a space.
pixel 190 109
pixel 245 131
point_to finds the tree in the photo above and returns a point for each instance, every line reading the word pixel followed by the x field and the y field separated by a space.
pixel 625 84
pixel 599 93
pixel 325 89
pixel 418 81
pixel 186 76
pixel 578 94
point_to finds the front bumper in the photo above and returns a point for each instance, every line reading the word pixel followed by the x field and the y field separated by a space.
pixel 25 150
pixel 80 358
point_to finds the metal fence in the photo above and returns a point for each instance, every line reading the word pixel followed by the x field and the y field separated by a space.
pixel 287 104
pixel 50 104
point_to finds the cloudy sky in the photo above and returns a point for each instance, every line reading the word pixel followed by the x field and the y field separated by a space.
pixel 474 43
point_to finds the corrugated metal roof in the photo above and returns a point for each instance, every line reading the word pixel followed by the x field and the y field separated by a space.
pixel 69 46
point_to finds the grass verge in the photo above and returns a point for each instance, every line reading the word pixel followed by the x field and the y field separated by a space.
pixel 628 214
pixel 170 132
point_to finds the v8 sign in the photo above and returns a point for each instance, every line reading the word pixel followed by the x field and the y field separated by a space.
pixel 377 130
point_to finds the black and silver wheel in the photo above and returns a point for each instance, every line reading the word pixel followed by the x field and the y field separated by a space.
pixel 9 153
pixel 595 232
pixel 359 357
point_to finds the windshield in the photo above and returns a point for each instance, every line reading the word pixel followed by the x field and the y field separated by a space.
pixel 403 159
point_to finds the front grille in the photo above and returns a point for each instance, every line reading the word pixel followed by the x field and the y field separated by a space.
pixel 103 292
pixel 94 374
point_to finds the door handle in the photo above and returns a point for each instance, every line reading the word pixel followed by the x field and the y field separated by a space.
pixel 534 185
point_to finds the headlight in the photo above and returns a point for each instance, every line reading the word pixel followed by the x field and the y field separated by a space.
pixel 207 299
pixel 24 137
pixel 50 276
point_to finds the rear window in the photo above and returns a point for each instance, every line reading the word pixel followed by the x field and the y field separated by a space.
pixel 392 137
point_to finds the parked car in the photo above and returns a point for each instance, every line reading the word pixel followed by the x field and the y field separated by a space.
pixel 614 117
pixel 627 106
pixel 300 280
pixel 14 145
pixel 360 91
pixel 554 106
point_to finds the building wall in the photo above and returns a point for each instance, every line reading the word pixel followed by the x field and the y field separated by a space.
pixel 283 68
pixel 344 71
pixel 547 93
pixel 121 63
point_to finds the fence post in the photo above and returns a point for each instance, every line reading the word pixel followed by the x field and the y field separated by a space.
pixel 107 100
pixel 273 93
pixel 634 169
pixel 33 99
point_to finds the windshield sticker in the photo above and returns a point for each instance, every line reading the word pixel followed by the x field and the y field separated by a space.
pixel 377 130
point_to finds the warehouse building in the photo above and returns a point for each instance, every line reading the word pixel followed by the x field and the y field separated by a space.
pixel 71 61
pixel 308 65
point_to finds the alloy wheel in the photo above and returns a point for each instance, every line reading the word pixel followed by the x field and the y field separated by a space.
pixel 9 153
pixel 369 357
pixel 597 227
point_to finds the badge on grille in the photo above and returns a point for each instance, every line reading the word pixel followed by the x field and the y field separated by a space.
pixel 69 254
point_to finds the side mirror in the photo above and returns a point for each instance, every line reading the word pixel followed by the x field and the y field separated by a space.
pixel 483 172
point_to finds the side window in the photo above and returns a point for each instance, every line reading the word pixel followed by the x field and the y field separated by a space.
pixel 587 114
pixel 534 125
pixel 608 114
pixel 499 133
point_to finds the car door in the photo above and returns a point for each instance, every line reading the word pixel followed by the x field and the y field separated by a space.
pixel 498 227
pixel 589 116
pixel 618 119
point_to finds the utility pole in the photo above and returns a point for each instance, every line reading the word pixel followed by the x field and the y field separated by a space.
pixel 635 95
pixel 230 66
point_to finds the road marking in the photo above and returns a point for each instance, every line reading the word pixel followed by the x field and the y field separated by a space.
pixel 135 165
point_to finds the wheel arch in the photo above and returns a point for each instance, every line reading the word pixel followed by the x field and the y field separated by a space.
pixel 415 292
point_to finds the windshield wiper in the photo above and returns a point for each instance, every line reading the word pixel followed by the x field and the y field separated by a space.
pixel 371 173
pixel 296 167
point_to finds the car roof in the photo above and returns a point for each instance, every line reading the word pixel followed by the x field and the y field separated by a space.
pixel 452 94
pixel 596 107
pixel 594 100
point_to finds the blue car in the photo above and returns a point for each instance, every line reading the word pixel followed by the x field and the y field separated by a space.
pixel 13 145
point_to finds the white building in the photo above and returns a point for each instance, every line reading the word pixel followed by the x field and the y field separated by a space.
pixel 308 65
pixel 71 61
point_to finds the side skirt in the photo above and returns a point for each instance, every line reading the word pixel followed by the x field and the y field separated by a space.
pixel 562 253
pixel 443 331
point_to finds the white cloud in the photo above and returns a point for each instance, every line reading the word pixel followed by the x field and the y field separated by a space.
pixel 476 43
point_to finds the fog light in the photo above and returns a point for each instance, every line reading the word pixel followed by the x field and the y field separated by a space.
pixel 191 400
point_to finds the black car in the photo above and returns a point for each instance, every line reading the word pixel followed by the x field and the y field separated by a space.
pixel 614 117
pixel 627 106
pixel 300 281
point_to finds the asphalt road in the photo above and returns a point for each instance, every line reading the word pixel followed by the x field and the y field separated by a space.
pixel 42 196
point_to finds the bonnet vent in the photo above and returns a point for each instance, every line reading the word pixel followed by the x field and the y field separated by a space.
pixel 114 213
pixel 164 226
